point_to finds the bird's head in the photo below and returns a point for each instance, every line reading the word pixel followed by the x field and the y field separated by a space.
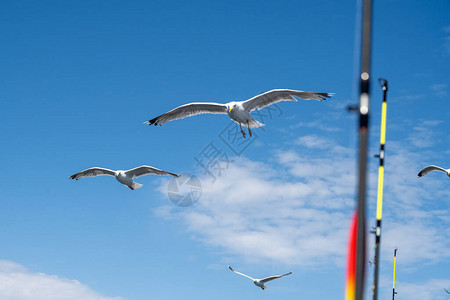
pixel 231 106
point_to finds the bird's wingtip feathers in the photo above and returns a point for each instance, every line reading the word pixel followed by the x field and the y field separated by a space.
pixel 152 122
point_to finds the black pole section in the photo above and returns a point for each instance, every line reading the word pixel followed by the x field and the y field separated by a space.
pixel 384 86
pixel 363 137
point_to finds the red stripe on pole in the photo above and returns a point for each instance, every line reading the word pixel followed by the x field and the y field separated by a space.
pixel 351 259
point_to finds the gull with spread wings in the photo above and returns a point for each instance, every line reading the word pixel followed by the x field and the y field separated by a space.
pixel 260 282
pixel 240 111
pixel 124 177
pixel 431 168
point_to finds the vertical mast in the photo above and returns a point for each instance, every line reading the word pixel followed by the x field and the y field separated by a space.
pixel 363 139
pixel 384 86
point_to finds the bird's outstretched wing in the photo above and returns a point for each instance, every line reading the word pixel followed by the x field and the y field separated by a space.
pixel 264 280
pixel 240 273
pixel 428 169
pixel 93 172
pixel 275 96
pixel 145 170
pixel 446 291
pixel 188 110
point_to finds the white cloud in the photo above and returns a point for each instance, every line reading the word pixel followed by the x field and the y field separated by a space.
pixel 446 29
pixel 440 90
pixel 318 124
pixel 429 290
pixel 17 282
pixel 313 141
pixel 295 209
pixel 424 133
pixel 264 218
pixel 295 213
pixel 408 97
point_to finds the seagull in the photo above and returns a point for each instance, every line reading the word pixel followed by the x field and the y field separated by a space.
pixel 124 177
pixel 428 169
pixel 446 291
pixel 239 111
pixel 260 282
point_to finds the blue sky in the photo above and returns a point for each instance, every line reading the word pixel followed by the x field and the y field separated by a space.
pixel 80 78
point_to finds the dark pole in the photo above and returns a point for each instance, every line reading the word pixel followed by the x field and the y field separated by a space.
pixel 393 280
pixel 384 86
pixel 363 137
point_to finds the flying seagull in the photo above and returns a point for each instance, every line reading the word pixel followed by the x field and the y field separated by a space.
pixel 260 282
pixel 428 169
pixel 239 111
pixel 124 177
pixel 446 291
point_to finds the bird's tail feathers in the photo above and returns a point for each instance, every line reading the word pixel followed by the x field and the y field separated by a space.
pixel 264 287
pixel 253 124
pixel 136 185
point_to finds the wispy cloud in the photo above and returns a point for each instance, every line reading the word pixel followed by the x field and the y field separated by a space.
pixel 409 97
pixel 295 207
pixel 429 290
pixel 318 124
pixel 18 283
pixel 439 90
pixel 446 30
pixel 424 133
pixel 290 213
pixel 313 141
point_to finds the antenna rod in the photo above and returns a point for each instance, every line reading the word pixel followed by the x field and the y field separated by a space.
pixel 356 261
pixel 363 138
pixel 384 86
pixel 393 284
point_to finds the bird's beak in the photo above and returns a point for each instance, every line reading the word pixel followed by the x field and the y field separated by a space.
pixel 230 109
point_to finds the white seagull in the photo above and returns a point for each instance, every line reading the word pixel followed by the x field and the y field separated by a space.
pixel 124 177
pixel 431 168
pixel 260 282
pixel 238 111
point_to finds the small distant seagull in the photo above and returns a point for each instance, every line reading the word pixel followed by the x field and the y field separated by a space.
pixel 431 168
pixel 124 177
pixel 446 291
pixel 240 111
pixel 260 282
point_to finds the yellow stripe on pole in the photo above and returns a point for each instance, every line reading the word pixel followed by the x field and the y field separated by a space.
pixel 381 169
pixel 380 192
pixel 383 123
pixel 393 284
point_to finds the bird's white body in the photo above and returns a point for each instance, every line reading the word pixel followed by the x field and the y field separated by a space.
pixel 258 283
pixel 125 177
pixel 127 180
pixel 240 115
